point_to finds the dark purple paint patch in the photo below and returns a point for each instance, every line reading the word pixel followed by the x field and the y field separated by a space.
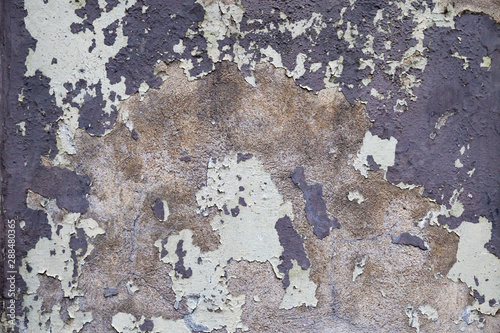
pixel 243 157
pixel 159 210
pixel 185 159
pixel 408 239
pixel 479 297
pixel 90 12
pixel 110 4
pixel 147 326
pixel 91 47
pixel 134 135
pixel 235 211
pixel 492 302
pixel 163 252
pixel 67 187
pixel 472 96
pixel 151 37
pixel 110 33
pixel 293 248
pixel 241 202
pixel 77 244
pixel 226 211
pixel 374 166
pixel 93 118
pixel 241 188
pixel 108 292
pixel 315 205
pixel 179 265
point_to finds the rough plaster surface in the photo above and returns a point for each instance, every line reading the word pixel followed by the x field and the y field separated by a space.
pixel 228 166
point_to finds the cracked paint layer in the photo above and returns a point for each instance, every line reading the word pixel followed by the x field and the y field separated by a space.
pixel 428 89
pixel 255 231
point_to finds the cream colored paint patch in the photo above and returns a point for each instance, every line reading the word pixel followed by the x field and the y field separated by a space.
pixel 412 315
pixel 22 127
pixel 383 152
pixel 463 58
pixel 355 196
pixel 359 267
pixel 53 257
pixel 429 312
pixel 131 287
pixel 476 262
pixel 127 323
pixel 272 56
pixel 486 62
pixel 301 290
pixel 299 69
pixel 457 208
pixel 246 227
pixel 333 71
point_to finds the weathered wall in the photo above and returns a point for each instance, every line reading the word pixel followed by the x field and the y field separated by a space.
pixel 261 166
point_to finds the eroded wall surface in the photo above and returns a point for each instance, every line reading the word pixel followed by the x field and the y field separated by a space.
pixel 250 166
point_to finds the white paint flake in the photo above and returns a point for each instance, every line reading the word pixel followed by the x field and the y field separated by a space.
pixel 355 196
pixel 359 267
pixel 429 312
pixel 383 152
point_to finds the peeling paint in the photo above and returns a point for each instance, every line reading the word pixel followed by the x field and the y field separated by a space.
pixel 415 67
pixel 57 257
pixel 476 267
pixel 127 323
pixel 247 233
pixel 315 208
